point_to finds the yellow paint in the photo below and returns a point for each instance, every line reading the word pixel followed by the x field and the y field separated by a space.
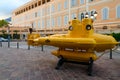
pixel 75 55
pixel 80 37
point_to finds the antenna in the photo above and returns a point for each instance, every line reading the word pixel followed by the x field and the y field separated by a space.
pixel 30 30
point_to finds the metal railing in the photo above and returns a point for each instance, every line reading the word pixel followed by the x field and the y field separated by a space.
pixel 18 44
pixel 23 45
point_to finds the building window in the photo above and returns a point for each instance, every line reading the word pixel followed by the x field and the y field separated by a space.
pixel 33 25
pixel 59 6
pixel 39 13
pixel 38 24
pixel 29 7
pixel 52 8
pixel 43 1
pixel 43 11
pixel 90 0
pixel 35 14
pixel 23 10
pixel 73 3
pixel 26 8
pixel 59 21
pixel 73 16
pixel 66 19
pixel 29 16
pixel 118 11
pixel 53 22
pixel 25 17
pixel 39 3
pixel 32 6
pixel 82 2
pixel 79 16
pixel 66 4
pixel 48 10
pixel 43 24
pixel 105 27
pixel 48 23
pixel 105 13
pixel 48 0
pixel 35 4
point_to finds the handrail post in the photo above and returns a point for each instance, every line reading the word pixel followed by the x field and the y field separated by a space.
pixel 28 47
pixel 41 47
pixel 0 44
pixel 17 45
pixel 110 53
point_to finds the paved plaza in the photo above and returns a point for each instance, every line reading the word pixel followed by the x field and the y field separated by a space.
pixel 33 64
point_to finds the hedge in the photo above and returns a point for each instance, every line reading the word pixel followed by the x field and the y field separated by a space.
pixel 116 36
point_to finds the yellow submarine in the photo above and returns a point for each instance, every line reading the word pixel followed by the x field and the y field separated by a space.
pixel 78 45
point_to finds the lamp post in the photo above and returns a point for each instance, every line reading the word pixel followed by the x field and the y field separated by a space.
pixel 86 15
pixel 87 6
pixel 93 14
pixel 8 36
pixel 8 31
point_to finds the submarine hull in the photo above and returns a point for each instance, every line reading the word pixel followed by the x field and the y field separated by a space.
pixel 103 42
pixel 75 55
pixel 97 42
pixel 74 43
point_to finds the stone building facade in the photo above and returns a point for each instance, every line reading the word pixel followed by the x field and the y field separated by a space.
pixel 52 16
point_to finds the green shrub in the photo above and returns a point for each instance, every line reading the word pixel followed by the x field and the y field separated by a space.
pixel 116 36
pixel 5 36
pixel 16 36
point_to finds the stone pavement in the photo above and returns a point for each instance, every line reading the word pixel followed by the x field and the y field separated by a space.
pixel 23 64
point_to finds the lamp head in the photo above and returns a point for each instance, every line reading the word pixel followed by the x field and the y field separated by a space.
pixel 86 15
pixel 92 16
pixel 95 14
pixel 30 30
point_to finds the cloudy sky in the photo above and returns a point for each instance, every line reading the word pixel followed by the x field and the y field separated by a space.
pixel 7 6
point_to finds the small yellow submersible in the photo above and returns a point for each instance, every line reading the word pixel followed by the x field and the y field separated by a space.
pixel 78 45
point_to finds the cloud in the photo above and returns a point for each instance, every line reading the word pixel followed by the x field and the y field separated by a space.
pixel 7 6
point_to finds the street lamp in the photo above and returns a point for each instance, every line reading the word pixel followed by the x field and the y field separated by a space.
pixel 92 16
pixel 86 15
pixel 8 31
pixel 95 14
pixel 32 25
pixel 8 36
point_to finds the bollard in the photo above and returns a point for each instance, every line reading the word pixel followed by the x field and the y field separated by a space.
pixel 17 45
pixel 28 47
pixel 8 41
pixel 8 44
pixel 110 53
pixel 0 44
pixel 41 47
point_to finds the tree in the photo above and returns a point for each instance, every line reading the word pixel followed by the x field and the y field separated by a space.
pixel 3 23
pixel 3 32
pixel 116 36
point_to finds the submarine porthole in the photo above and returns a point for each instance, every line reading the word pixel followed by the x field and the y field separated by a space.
pixel 70 28
pixel 88 27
